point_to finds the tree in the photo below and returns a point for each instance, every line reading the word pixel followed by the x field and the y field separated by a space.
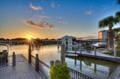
pixel 117 30
pixel 108 22
pixel 117 17
pixel 118 1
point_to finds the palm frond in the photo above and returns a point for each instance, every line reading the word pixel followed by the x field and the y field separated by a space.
pixel 107 22
pixel 117 17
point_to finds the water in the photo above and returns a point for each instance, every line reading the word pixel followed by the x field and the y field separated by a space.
pixel 97 69
pixel 94 68
pixel 48 53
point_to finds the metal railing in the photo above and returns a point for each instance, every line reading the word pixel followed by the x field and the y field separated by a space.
pixel 73 73
pixel 78 75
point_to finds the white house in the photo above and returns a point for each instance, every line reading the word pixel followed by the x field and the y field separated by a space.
pixel 68 41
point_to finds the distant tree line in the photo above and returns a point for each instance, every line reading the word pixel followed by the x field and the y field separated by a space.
pixel 45 41
pixel 21 41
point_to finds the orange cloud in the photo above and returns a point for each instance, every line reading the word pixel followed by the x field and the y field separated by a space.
pixel 38 25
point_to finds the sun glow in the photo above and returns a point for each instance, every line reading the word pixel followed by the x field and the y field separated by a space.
pixel 29 36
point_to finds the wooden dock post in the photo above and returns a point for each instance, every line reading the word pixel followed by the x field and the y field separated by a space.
pixel 29 53
pixel 95 51
pixel 63 53
pixel 81 65
pixel 51 63
pixel 95 68
pixel 75 57
pixel 14 59
pixel 37 63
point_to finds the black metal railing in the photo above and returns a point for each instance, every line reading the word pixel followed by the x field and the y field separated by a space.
pixel 78 75
pixel 73 73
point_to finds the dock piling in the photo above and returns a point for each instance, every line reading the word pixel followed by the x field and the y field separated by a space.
pixel 29 53
pixel 37 63
pixel 95 51
pixel 63 53
pixel 14 59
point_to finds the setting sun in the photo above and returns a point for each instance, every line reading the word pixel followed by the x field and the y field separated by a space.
pixel 29 37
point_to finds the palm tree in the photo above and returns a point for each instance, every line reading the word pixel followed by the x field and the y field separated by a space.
pixel 118 1
pixel 117 33
pixel 108 22
pixel 117 20
pixel 117 17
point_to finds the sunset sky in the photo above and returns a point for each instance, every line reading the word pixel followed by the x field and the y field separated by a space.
pixel 53 18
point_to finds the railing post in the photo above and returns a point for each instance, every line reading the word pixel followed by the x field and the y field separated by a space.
pixel 95 51
pixel 51 63
pixel 37 63
pixel 29 53
pixel 63 51
pixel 14 59
pixel 75 57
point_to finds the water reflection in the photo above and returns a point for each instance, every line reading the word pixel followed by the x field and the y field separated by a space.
pixel 95 68
pixel 48 53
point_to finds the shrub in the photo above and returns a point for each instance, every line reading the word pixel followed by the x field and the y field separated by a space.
pixel 59 71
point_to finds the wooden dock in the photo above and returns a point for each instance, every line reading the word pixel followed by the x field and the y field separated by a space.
pixel 98 55
pixel 22 70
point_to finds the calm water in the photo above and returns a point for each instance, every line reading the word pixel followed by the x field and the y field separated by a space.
pixel 95 68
